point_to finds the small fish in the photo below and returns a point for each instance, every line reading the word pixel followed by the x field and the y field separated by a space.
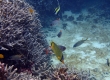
pixel 57 9
pixel 79 43
pixel 16 57
pixel 59 34
pixel 31 10
pixel 57 52
pixel 108 62
pixel 1 56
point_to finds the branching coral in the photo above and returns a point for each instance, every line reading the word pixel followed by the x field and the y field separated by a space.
pixel 15 21
pixel 61 73
pixel 8 73
pixel 20 29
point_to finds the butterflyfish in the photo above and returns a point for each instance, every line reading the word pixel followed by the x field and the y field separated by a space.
pixel 56 50
pixel 57 9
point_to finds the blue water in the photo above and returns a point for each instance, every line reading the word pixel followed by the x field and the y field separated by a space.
pixel 46 8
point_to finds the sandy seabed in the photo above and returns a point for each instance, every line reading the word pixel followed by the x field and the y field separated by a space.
pixel 92 54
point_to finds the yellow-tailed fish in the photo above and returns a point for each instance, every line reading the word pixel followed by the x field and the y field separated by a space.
pixel 57 52
pixel 1 56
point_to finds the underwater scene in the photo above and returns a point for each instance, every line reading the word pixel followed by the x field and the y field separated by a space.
pixel 54 39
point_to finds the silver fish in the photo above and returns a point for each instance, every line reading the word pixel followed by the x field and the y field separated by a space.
pixel 79 43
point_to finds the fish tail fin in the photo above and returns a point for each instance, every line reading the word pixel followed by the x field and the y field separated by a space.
pixel 86 38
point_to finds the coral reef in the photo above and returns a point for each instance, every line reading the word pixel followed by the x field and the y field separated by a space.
pixel 20 30
pixel 13 21
pixel 61 73
pixel 66 73
pixel 8 73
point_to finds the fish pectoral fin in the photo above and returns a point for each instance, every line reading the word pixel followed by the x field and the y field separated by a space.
pixel 59 57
